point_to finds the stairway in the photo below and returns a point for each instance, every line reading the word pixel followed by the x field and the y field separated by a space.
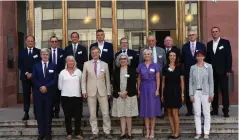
pixel 28 129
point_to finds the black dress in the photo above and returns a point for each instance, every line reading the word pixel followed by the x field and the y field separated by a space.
pixel 172 88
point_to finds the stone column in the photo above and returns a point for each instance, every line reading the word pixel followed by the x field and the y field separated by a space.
pixel 223 14
pixel 8 39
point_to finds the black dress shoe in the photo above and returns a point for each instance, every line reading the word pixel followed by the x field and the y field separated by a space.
pixel 226 115
pixel 170 137
pixel 48 138
pixel 57 115
pixel 122 137
pixel 40 138
pixel 174 137
pixel 189 114
pixel 130 137
pixel 26 117
pixel 213 112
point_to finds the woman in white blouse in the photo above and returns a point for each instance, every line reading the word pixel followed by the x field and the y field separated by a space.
pixel 69 84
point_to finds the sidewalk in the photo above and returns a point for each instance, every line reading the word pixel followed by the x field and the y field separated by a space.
pixel 16 113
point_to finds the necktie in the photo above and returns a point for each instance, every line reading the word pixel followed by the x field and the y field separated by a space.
pixel 167 50
pixel 45 68
pixel 30 51
pixel 95 68
pixel 54 56
pixel 123 51
pixel 192 49
pixel 74 49
pixel 153 55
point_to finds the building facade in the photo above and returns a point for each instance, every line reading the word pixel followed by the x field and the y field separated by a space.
pixel 133 19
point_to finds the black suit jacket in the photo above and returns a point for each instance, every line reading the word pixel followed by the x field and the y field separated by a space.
pixel 131 54
pixel 131 82
pixel 80 55
pixel 60 59
pixel 222 59
pixel 26 62
pixel 175 49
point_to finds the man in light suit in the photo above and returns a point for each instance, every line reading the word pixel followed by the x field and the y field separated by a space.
pixel 96 86
pixel 44 85
pixel 158 54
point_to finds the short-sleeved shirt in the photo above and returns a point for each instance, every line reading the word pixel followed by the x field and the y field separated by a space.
pixel 148 73
pixel 172 77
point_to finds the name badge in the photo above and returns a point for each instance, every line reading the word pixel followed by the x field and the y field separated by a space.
pixel 61 56
pixel 130 57
pixel 152 70
pixel 105 50
pixel 35 56
pixel 221 47
pixel 160 56
pixel 169 69
pixel 102 70
pixel 127 75
pixel 51 71
pixel 80 52
pixel 196 50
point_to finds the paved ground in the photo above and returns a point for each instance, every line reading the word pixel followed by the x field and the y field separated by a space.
pixel 16 113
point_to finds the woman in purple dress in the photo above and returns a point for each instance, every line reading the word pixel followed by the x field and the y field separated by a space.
pixel 148 90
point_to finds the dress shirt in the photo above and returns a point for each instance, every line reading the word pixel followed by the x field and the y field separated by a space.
pixel 199 76
pixel 70 85
pixel 215 44
pixel 98 66
pixel 101 46
pixel 52 53
pixel 194 43
pixel 30 49
pixel 154 53
pixel 43 66
pixel 168 49
pixel 124 50
pixel 74 47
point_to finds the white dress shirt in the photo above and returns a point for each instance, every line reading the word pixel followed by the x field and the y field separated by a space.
pixel 168 49
pixel 98 66
pixel 29 50
pixel 124 50
pixel 52 53
pixel 74 46
pixel 154 53
pixel 215 44
pixel 43 66
pixel 101 46
pixel 70 85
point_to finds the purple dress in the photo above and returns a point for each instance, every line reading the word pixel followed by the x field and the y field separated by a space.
pixel 149 104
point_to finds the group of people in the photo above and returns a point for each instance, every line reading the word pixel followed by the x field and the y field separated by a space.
pixel 159 77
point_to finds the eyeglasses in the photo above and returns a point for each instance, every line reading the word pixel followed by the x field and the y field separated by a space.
pixel 191 34
pixel 124 42
pixel 54 41
pixel 123 58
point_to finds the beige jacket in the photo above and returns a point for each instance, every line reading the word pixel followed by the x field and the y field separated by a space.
pixel 92 83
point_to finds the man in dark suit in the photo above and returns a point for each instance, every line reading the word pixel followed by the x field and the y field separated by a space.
pixel 78 51
pixel 107 54
pixel 132 55
pixel 56 57
pixel 188 59
pixel 220 56
pixel 44 80
pixel 27 58
pixel 168 46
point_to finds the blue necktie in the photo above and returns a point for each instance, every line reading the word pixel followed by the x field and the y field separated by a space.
pixel 45 70
pixel 54 56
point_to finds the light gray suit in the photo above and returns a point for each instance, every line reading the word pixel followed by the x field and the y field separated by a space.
pixel 161 56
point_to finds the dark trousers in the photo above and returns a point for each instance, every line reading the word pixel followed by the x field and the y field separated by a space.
pixel 187 97
pixel 72 108
pixel 97 106
pixel 43 103
pixel 56 101
pixel 27 89
pixel 222 82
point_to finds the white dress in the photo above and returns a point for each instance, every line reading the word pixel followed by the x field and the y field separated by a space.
pixel 127 107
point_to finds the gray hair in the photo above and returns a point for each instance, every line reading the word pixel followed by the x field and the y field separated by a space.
pixel 95 48
pixel 45 50
pixel 117 60
pixel 71 58
pixel 123 38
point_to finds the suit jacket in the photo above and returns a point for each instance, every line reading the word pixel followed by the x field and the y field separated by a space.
pixel 60 60
pixel 187 59
pixel 132 56
pixel 49 80
pixel 175 49
pixel 80 55
pixel 91 84
pixel 131 82
pixel 161 57
pixel 207 80
pixel 107 54
pixel 222 59
pixel 26 62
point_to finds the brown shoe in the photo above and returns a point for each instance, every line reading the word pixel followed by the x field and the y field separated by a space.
pixel 79 137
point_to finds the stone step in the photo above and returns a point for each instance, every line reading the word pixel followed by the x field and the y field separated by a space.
pixel 115 121
pixel 137 130
pixel 157 137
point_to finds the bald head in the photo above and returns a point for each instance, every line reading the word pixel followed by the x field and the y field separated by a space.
pixel 192 36
pixel 151 41
pixel 168 42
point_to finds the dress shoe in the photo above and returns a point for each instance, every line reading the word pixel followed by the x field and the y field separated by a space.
pixel 130 137
pixel 226 115
pixel 122 137
pixel 57 115
pixel 48 137
pixel 93 137
pixel 40 138
pixel 26 117
pixel 213 112
pixel 108 136
pixel 79 137
pixel 189 114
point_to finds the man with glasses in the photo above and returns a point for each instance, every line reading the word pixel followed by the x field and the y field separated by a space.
pixel 132 55
pixel 76 50
pixel 56 57
pixel 168 46
pixel 188 59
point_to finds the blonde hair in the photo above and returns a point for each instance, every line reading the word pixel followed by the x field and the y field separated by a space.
pixel 71 58
pixel 148 51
